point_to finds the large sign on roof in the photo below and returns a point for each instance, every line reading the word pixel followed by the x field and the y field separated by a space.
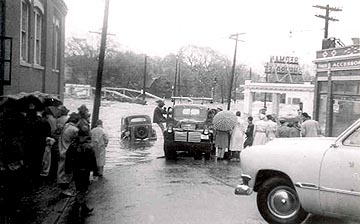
pixel 284 69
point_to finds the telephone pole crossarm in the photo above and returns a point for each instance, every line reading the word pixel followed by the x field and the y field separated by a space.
pixel 327 17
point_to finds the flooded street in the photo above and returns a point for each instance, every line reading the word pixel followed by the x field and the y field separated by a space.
pixel 141 186
pixel 122 153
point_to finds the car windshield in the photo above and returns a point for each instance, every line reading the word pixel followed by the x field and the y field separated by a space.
pixel 138 119
pixel 190 112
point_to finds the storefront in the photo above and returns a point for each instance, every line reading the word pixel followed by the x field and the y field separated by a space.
pixel 337 88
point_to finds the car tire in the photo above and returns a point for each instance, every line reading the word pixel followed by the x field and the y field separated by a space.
pixel 278 202
pixel 141 132
pixel 170 153
pixel 207 156
pixel 197 155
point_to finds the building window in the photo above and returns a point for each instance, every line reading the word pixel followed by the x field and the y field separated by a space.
pixel 38 17
pixel 24 37
pixel 56 44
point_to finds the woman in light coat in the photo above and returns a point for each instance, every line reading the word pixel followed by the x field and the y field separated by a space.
pixel 237 137
pixel 260 131
pixel 99 141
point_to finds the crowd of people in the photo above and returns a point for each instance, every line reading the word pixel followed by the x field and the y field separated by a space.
pixel 245 133
pixel 229 144
pixel 44 143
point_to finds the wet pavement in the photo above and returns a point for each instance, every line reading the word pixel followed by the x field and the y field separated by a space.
pixel 140 186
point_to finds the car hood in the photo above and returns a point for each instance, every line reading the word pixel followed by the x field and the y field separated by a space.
pixel 289 155
pixel 300 143
pixel 291 146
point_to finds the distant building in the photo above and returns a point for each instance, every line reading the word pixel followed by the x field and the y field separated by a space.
pixel 337 89
pixel 33 48
pixel 68 73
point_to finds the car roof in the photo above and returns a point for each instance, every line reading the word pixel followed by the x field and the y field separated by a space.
pixel 129 117
pixel 191 106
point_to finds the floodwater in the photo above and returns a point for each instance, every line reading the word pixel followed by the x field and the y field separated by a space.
pixel 122 152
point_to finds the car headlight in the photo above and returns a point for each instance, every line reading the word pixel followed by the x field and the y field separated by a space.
pixel 206 131
pixel 170 129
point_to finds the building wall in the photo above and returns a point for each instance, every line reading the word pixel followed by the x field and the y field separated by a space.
pixel 337 98
pixel 29 77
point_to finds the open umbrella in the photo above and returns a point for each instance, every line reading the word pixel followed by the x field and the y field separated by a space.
pixel 38 99
pixel 224 121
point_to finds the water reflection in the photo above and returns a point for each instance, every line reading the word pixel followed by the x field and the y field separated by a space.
pixel 136 145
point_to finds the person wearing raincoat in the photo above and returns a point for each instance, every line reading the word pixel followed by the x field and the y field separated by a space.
pixel 260 131
pixel 67 137
pixel 99 141
pixel 237 137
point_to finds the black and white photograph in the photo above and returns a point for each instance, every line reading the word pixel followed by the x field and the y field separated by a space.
pixel 179 112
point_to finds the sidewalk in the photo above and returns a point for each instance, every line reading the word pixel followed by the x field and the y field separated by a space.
pixel 44 204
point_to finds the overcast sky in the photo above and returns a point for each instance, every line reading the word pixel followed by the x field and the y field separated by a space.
pixel 160 27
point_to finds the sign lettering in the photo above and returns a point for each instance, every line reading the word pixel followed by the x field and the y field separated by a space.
pixel 342 64
pixel 284 60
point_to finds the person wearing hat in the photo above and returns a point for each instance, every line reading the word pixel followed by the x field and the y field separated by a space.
pixel 84 122
pixel 158 116
pixel 67 137
pixel 61 120
pixel 81 161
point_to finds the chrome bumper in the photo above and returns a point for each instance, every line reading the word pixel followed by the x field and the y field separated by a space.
pixel 244 189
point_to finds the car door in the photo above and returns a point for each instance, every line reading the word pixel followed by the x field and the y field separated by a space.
pixel 340 176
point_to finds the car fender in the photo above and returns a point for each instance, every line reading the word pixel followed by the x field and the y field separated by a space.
pixel 298 159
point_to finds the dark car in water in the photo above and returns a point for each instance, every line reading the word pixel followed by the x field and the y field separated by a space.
pixel 137 127
pixel 188 130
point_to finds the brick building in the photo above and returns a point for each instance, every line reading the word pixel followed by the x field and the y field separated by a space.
pixel 32 46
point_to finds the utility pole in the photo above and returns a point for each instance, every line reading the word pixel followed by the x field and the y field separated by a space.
pixel 265 95
pixel 179 76
pixel 144 90
pixel 236 38
pixel 97 98
pixel 327 17
pixel 175 79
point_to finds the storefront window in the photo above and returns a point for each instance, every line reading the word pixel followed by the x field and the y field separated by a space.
pixel 346 87
pixel 346 110
pixel 323 87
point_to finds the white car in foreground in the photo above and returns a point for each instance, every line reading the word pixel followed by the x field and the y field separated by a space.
pixel 297 176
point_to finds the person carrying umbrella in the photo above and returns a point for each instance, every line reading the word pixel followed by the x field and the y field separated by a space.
pixel 224 122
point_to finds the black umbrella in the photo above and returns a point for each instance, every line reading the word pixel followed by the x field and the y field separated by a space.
pixel 38 99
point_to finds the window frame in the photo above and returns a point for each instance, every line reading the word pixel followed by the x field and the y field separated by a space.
pixel 38 35
pixel 25 32
pixel 56 43
pixel 355 131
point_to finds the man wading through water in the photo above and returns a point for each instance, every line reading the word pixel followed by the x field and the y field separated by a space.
pixel 158 117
